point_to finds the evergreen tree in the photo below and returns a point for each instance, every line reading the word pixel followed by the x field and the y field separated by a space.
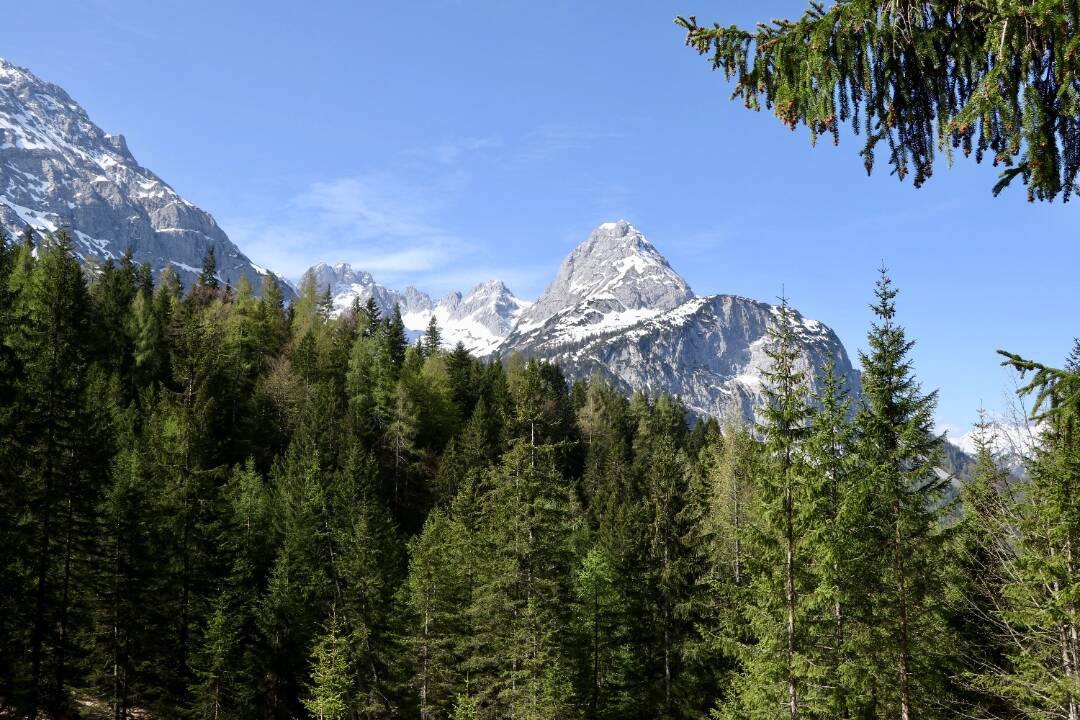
pixel 920 76
pixel 901 638
pixel 373 317
pixel 396 341
pixel 830 516
pixel 58 460
pixel 1038 618
pixel 330 692
pixel 519 652
pixel 208 278
pixel 774 666
pixel 981 549
pixel 432 338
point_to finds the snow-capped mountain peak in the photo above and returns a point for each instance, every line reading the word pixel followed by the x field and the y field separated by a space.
pixel 614 279
pixel 59 170
pixel 480 319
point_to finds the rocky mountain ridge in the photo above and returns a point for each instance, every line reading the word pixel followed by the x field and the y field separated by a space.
pixel 480 319
pixel 618 310
pixel 60 170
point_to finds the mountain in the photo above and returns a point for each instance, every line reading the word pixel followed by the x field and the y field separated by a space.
pixel 615 309
pixel 60 170
pixel 615 279
pixel 618 310
pixel 481 319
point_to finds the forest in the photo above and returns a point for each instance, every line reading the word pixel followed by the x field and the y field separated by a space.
pixel 216 504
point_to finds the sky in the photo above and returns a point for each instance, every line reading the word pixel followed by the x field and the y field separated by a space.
pixel 448 142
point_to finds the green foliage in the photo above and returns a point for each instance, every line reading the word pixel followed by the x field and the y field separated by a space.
pixel 925 77
pixel 216 507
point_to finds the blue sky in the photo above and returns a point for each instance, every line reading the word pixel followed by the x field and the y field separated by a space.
pixel 447 142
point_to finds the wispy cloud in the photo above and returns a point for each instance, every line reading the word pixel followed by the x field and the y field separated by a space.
pixel 394 223
pixel 377 222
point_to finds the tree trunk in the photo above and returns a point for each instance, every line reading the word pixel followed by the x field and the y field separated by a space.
pixel 789 582
pixel 904 640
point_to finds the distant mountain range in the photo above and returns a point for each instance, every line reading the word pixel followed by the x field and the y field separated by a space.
pixel 615 309
pixel 60 170
pixel 480 319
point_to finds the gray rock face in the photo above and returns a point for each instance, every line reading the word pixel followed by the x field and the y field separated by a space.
pixel 59 170
pixel 710 352
pixel 347 284
pixel 631 319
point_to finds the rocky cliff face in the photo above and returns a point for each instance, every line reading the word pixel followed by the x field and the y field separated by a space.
pixel 618 310
pixel 59 170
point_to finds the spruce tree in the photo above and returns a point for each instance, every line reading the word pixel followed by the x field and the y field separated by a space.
pixel 830 517
pixel 330 694
pixel 1038 617
pixel 432 337
pixel 208 277
pixel 922 77
pixel 774 665
pixel 900 672
pixel 396 340
pixel 56 469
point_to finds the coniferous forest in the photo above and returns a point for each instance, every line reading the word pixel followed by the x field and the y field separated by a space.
pixel 215 505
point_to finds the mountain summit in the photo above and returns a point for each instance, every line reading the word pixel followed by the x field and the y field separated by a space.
pixel 60 170
pixel 618 310
pixel 614 279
